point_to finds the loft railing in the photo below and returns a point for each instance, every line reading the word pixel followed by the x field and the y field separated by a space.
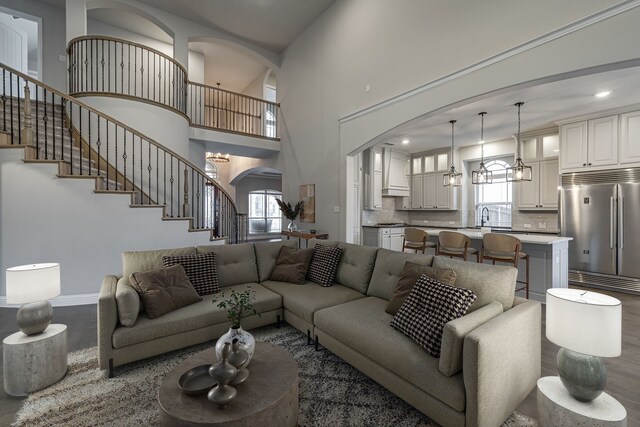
pixel 215 108
pixel 114 67
pixel 106 65
pixel 53 126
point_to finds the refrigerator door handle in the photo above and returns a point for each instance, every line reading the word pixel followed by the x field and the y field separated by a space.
pixel 621 220
pixel 611 219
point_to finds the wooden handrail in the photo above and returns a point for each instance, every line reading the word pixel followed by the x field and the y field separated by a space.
pixel 275 104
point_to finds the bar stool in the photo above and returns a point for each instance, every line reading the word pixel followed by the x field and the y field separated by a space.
pixel 416 239
pixel 505 248
pixel 454 244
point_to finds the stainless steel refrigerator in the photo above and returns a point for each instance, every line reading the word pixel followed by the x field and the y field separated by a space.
pixel 601 211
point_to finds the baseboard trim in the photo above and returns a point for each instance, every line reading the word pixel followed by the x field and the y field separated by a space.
pixel 61 301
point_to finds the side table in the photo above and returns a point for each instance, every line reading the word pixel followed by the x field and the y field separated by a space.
pixel 557 408
pixel 34 362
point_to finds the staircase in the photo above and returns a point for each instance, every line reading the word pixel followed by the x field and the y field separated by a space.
pixel 52 127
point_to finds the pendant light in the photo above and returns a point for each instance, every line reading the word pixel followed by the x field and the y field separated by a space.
pixel 519 171
pixel 453 178
pixel 482 175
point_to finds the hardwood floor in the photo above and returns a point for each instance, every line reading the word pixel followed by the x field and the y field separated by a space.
pixel 624 372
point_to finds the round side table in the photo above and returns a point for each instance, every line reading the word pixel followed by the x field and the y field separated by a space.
pixel 32 362
pixel 556 408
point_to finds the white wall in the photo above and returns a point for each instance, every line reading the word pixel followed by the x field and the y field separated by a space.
pixel 397 47
pixel 49 219
pixel 256 87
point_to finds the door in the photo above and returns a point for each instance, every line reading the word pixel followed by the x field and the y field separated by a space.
pixel 548 184
pixel 628 230
pixel 573 145
pixel 603 141
pixel 588 215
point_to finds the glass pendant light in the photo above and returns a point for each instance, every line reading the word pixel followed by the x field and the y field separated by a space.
pixel 519 171
pixel 453 178
pixel 482 175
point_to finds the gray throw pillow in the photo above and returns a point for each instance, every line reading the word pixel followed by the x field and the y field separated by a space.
pixel 291 265
pixel 164 290
pixel 410 275
pixel 324 264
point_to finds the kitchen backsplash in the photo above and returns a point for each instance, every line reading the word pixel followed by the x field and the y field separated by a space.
pixel 437 218
pixel 537 221
pixel 387 214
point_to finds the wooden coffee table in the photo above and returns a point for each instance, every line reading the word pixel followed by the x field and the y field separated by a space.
pixel 268 397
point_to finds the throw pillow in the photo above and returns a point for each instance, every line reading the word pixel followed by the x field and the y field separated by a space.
pixel 429 306
pixel 164 290
pixel 200 269
pixel 324 264
pixel 291 265
pixel 410 274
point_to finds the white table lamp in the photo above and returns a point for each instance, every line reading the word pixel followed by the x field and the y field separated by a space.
pixel 32 285
pixel 588 326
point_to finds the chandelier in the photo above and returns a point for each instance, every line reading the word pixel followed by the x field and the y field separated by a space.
pixel 453 178
pixel 519 171
pixel 219 157
pixel 482 175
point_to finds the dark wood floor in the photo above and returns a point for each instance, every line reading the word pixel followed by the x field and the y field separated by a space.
pixel 624 371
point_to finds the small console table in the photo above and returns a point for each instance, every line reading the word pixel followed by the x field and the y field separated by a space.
pixel 302 235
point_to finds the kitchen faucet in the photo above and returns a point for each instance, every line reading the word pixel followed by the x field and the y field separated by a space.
pixel 482 218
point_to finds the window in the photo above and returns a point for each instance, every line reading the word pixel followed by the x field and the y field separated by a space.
pixel 210 168
pixel 496 197
pixel 264 213
pixel 270 112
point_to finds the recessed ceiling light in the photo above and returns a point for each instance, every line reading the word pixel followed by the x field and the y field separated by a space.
pixel 481 142
pixel 405 141
pixel 603 94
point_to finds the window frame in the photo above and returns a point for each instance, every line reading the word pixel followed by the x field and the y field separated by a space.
pixel 502 209
pixel 265 193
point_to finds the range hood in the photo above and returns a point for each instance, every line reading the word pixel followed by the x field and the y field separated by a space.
pixel 395 182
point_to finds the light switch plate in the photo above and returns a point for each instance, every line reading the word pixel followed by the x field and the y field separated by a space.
pixel 527 225
pixel 542 225
pixel 336 209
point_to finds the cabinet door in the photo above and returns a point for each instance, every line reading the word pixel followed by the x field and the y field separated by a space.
pixel 386 242
pixel 602 146
pixel 376 197
pixel 443 163
pixel 416 192
pixel 630 137
pixel 549 177
pixel 573 145
pixel 429 195
pixel 443 194
pixel 376 154
pixel 396 242
pixel 528 192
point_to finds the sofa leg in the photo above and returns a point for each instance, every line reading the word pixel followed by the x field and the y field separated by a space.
pixel 317 342
pixel 110 368
pixel 308 337
pixel 278 321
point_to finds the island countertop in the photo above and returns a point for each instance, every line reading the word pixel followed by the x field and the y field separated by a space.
pixel 540 239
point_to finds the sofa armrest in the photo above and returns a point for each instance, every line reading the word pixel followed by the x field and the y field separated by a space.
pixel 501 363
pixel 107 319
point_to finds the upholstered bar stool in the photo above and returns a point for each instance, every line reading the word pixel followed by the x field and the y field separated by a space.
pixel 505 248
pixel 454 244
pixel 416 239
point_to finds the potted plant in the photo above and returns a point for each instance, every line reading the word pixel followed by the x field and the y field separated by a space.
pixel 290 212
pixel 238 306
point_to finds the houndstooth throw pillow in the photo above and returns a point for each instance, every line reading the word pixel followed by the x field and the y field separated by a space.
pixel 324 264
pixel 200 269
pixel 429 306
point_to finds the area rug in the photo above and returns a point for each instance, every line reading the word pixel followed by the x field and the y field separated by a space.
pixel 332 393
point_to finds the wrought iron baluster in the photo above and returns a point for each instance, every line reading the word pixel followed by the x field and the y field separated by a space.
pixel 89 142
pixel 178 189
pixel 70 133
pixel 121 67
pixel 80 153
pixel 171 180
pixel 107 156
pixel 45 119
pixel 53 124
pixel 149 169
pixel 99 145
pixel 124 158
pixel 115 158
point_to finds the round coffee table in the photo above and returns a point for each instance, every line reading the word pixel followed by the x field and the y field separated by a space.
pixel 268 397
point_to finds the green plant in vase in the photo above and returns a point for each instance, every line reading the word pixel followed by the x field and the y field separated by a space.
pixel 290 212
pixel 238 306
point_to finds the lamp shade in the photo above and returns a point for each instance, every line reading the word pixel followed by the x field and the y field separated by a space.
pixel 584 321
pixel 32 283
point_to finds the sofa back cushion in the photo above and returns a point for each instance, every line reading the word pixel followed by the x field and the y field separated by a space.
pixel 235 264
pixel 488 282
pixel 356 266
pixel 137 261
pixel 388 270
pixel 266 254
pixel 323 242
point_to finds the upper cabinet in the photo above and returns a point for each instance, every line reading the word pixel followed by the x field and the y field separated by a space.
pixel 427 191
pixel 394 177
pixel 630 138
pixel 372 168
pixel 539 150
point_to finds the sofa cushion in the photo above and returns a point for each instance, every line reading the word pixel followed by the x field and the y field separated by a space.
pixel 235 264
pixel 200 269
pixel 313 242
pixel 356 266
pixel 454 333
pixel 305 300
pixel 410 275
pixel 127 302
pixel 164 290
pixel 291 265
pixel 488 282
pixel 388 270
pixel 429 306
pixel 363 325
pixel 134 261
pixel 191 317
pixel 324 264
pixel 266 254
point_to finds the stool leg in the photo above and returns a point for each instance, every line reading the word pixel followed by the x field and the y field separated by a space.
pixel 527 277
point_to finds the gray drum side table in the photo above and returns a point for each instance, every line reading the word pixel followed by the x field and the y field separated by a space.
pixel 557 408
pixel 34 362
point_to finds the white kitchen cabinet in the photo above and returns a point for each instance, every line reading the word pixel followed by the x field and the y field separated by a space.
pixel 372 162
pixel 573 145
pixel 630 137
pixel 404 203
pixel 589 143
pixel 394 176
pixel 427 191
pixel 541 193
pixel 396 239
pixel 387 238
pixel 416 191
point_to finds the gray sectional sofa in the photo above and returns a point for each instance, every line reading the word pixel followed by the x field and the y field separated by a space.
pixel 490 358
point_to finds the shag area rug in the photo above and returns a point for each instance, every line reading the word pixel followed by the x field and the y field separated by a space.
pixel 331 392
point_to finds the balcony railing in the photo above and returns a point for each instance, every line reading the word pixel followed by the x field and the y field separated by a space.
pixel 114 67
pixel 53 126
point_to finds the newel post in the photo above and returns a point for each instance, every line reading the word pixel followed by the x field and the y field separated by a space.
pixel 186 209
pixel 27 132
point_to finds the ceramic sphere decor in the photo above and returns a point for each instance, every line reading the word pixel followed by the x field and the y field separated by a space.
pixel 246 342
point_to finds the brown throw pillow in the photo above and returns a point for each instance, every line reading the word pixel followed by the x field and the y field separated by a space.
pixel 291 265
pixel 164 290
pixel 410 274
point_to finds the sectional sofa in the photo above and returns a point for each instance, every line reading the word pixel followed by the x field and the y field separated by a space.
pixel 490 358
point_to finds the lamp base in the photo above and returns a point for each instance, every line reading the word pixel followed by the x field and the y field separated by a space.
pixel 34 317
pixel 584 376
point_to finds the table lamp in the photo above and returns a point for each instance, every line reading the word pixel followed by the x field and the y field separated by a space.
pixel 32 285
pixel 588 326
